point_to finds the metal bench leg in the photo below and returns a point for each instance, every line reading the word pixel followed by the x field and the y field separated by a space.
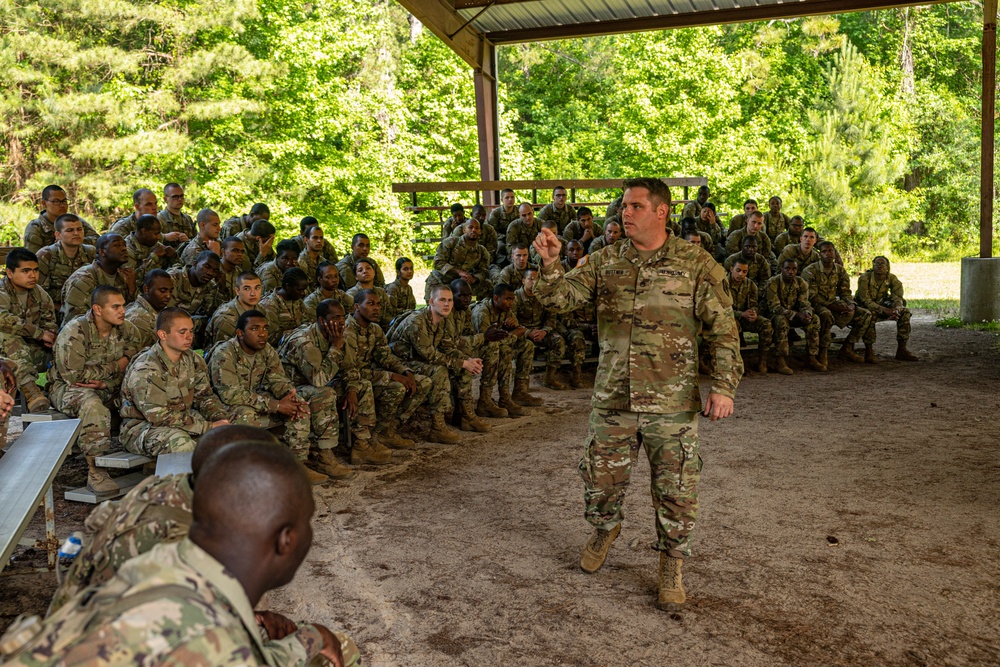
pixel 52 544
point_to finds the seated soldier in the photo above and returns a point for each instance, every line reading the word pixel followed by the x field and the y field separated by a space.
pixel 524 229
pixel 541 325
pixel 167 399
pixel 803 252
pixel 109 268
pixel 157 510
pixel 693 208
pixel 328 253
pixel 41 231
pixel 758 269
pixel 397 390
pixel 454 221
pixel 746 309
pixel 704 239
pixel 283 307
pixel 424 342
pixel 247 376
pixel 222 325
pixel 498 313
pixel 191 602
pixel 329 288
pixel 881 293
pixel 790 236
pixel 361 247
pixel 145 252
pixel 229 269
pixel 487 235
pixel 513 273
pixel 692 236
pixel 27 325
pixel 612 233
pixel 312 254
pixel 144 202
pixel 462 257
pixel 533 254
pixel 788 305
pixel 157 291
pixel 257 245
pixel 755 224
pixel 831 298
pixel 91 354
pixel 583 229
pixel 500 219
pixel 574 253
pixel 558 211
pixel 207 238
pixel 581 324
pixel 286 257
pixel 614 210
pixel 708 222
pixel 172 218
pixel 240 223
pixel 364 278
pixel 196 291
pixel 739 220
pixel 399 290
pixel 8 388
pixel 57 262
pixel 487 346
pixel 775 222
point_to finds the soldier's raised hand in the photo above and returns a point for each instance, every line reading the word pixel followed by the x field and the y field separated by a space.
pixel 548 246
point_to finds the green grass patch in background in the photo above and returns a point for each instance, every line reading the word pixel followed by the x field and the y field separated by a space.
pixel 957 323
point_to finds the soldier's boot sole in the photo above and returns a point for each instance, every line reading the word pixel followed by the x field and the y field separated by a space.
pixel 870 357
pixel 98 480
pixel 670 594
pixel 596 550
pixel 512 408
pixel 847 352
pixel 902 354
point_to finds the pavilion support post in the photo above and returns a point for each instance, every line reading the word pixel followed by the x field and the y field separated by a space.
pixel 487 121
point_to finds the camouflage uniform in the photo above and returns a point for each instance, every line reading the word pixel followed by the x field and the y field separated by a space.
pixel 250 386
pixel 83 355
pixel 775 225
pixel 513 276
pixel 429 349
pixel 251 255
pixel 758 271
pixel 142 259
pixel 309 265
pixel 311 363
pixel 222 325
pixel 79 286
pixel 795 252
pixel 873 293
pixel 143 318
pixel 783 240
pixel 386 314
pixel 783 301
pixel 487 238
pixel 496 357
pixel 401 296
pixel 531 314
pixel 327 254
pixel 157 510
pixel 282 316
pixel 310 302
pixel 735 243
pixel 345 268
pixel 225 286
pixel 745 297
pixel 55 267
pixel 692 209
pixel 519 350
pixel 195 247
pixel 22 327
pixel 175 605
pixel 738 221
pixel 830 286
pixel 167 405
pixel 181 222
pixel 535 260
pixel 518 232
pixel 574 231
pixel 124 226
pixel 714 231
pixel 270 276
pixel 598 244
pixel 500 221
pixel 454 255
pixel 199 302
pixel 40 232
pixel 650 313
pixel 234 225
pixel 561 218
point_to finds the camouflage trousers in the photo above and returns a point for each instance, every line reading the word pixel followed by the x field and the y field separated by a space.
pixel 93 408
pixel 31 359
pixel 522 353
pixel 295 437
pixel 765 333
pixel 141 437
pixel 902 324
pixel 392 405
pixel 782 326
pixel 671 443
pixel 555 348
pixel 324 421
pixel 497 359
pixel 443 383
pixel 576 345
pixel 860 322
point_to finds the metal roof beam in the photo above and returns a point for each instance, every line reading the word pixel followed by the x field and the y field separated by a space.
pixel 472 4
pixel 457 32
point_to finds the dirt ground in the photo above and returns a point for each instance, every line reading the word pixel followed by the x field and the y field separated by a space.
pixel 468 555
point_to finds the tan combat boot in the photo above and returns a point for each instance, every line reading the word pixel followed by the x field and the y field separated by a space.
pixel 902 354
pixel 512 408
pixel 486 407
pixel 521 394
pixel 98 479
pixel 671 595
pixel 551 381
pixel 781 366
pixel 816 365
pixel 324 461
pixel 314 477
pixel 847 352
pixel 597 549
pixel 390 437
pixel 824 356
pixel 35 399
pixel 470 422
pixel 370 452
pixel 442 433
pixel 576 376
pixel 762 364
pixel 870 357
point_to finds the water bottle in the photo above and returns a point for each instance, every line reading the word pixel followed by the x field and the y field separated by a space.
pixel 71 547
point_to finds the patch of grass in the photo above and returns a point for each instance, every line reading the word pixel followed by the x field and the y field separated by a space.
pixel 956 323
pixel 942 308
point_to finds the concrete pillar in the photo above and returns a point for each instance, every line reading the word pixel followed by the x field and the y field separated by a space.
pixel 980 298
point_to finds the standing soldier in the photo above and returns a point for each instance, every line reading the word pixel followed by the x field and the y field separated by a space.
pixel 172 218
pixel 239 223
pixel 541 324
pixel 746 310
pixel 462 257
pixel 558 211
pixel 91 354
pixel 145 252
pixel 881 293
pixel 27 325
pixel 41 231
pixel 157 290
pixel 207 238
pixel 788 305
pixel 831 298
pixel 58 261
pixel 167 399
pixel 109 268
pixel 361 246
pixel 647 385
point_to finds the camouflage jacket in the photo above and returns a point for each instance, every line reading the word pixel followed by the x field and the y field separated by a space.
pixel 597 244
pixel 692 209
pixel 55 267
pixel 81 354
pixel 76 292
pixel 500 220
pixel 874 294
pixel 758 271
pixel 531 314
pixel 561 218
pixel 270 276
pixel 714 230
pixel 735 242
pixel 464 331
pixel 484 315
pixel 40 232
pixel 345 268
pixel 795 252
pixel 181 222
pixel 142 259
pixel 574 231
pixel 174 605
pixel 744 295
pixel 310 302
pixel 225 286
pixel 282 316
pixel 254 380
pixel 417 338
pixel 29 321
pixel 518 232
pixel 401 296
pixel 193 248
pixel 787 298
pixel 234 225
pixel 327 254
pixel 163 393
pixel 454 255
pixel 512 276
pixel 308 359
pixel 309 265
pixel 143 318
pixel 222 325
pixel 487 238
pixel 124 226
pixel 827 286
pixel 738 221
pixel 366 351
pixel 775 224
pixel 195 300
pixel 387 312
pixel 156 511
pixel 650 314
pixel 783 240
pixel 252 257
